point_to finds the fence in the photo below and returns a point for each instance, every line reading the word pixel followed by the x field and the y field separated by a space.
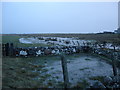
pixel 8 49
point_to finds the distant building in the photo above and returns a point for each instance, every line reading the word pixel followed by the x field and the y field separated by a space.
pixel 117 31
pixel 106 32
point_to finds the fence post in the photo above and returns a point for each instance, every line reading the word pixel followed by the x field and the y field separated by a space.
pixel 11 49
pixel 78 43
pixel 65 71
pixel 73 42
pixel 114 65
pixel 3 50
pixel 7 49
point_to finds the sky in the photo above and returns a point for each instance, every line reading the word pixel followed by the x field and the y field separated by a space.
pixel 59 17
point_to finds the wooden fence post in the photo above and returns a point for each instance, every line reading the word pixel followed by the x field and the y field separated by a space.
pixel 114 65
pixel 73 42
pixel 78 43
pixel 65 71
pixel 11 49
pixel 3 50
pixel 7 49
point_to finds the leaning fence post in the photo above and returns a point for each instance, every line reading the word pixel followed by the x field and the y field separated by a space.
pixel 65 71
pixel 73 42
pixel 78 43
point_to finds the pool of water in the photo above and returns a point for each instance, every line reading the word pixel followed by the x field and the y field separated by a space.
pixel 79 68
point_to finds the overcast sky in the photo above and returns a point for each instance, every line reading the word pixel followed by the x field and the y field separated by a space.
pixel 59 17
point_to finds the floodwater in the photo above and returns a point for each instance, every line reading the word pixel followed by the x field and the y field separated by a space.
pixel 80 68
pixel 60 41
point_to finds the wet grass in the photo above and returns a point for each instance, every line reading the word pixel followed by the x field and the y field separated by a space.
pixel 76 55
pixel 103 57
pixel 82 85
pixel 84 68
pixel 15 39
pixel 99 78
pixel 21 72
pixel 52 68
pixel 87 59
pixel 106 59
pixel 30 71
pixel 17 74
pixel 99 37
pixel 110 38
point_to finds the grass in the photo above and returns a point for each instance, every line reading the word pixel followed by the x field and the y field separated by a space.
pixel 52 68
pixel 110 38
pixel 15 76
pixel 98 37
pixel 82 85
pixel 87 59
pixel 99 78
pixel 20 72
pixel 108 60
pixel 15 39
pixel 84 68
pixel 73 56
pixel 57 77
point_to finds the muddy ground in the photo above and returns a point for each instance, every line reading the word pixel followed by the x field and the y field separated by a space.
pixel 81 68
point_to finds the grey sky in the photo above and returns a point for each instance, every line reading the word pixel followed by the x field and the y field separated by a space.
pixel 59 17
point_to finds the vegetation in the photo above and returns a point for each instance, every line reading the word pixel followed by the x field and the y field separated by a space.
pixel 82 85
pixel 99 78
pixel 20 72
pixel 87 59
pixel 15 39
pixel 25 72
pixel 84 68
pixel 98 37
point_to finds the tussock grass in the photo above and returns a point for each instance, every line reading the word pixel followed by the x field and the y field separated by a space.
pixel 84 68
pixel 88 59
pixel 24 72
pixel 99 78
pixel 82 85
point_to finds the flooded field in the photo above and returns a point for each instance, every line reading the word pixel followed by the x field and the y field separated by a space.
pixel 61 41
pixel 47 71
pixel 54 41
pixel 80 68
pixel 84 69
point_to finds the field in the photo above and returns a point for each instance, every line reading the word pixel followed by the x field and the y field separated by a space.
pixel 46 72
pixel 99 37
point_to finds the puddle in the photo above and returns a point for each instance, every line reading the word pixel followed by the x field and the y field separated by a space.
pixel 79 69
pixel 59 41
